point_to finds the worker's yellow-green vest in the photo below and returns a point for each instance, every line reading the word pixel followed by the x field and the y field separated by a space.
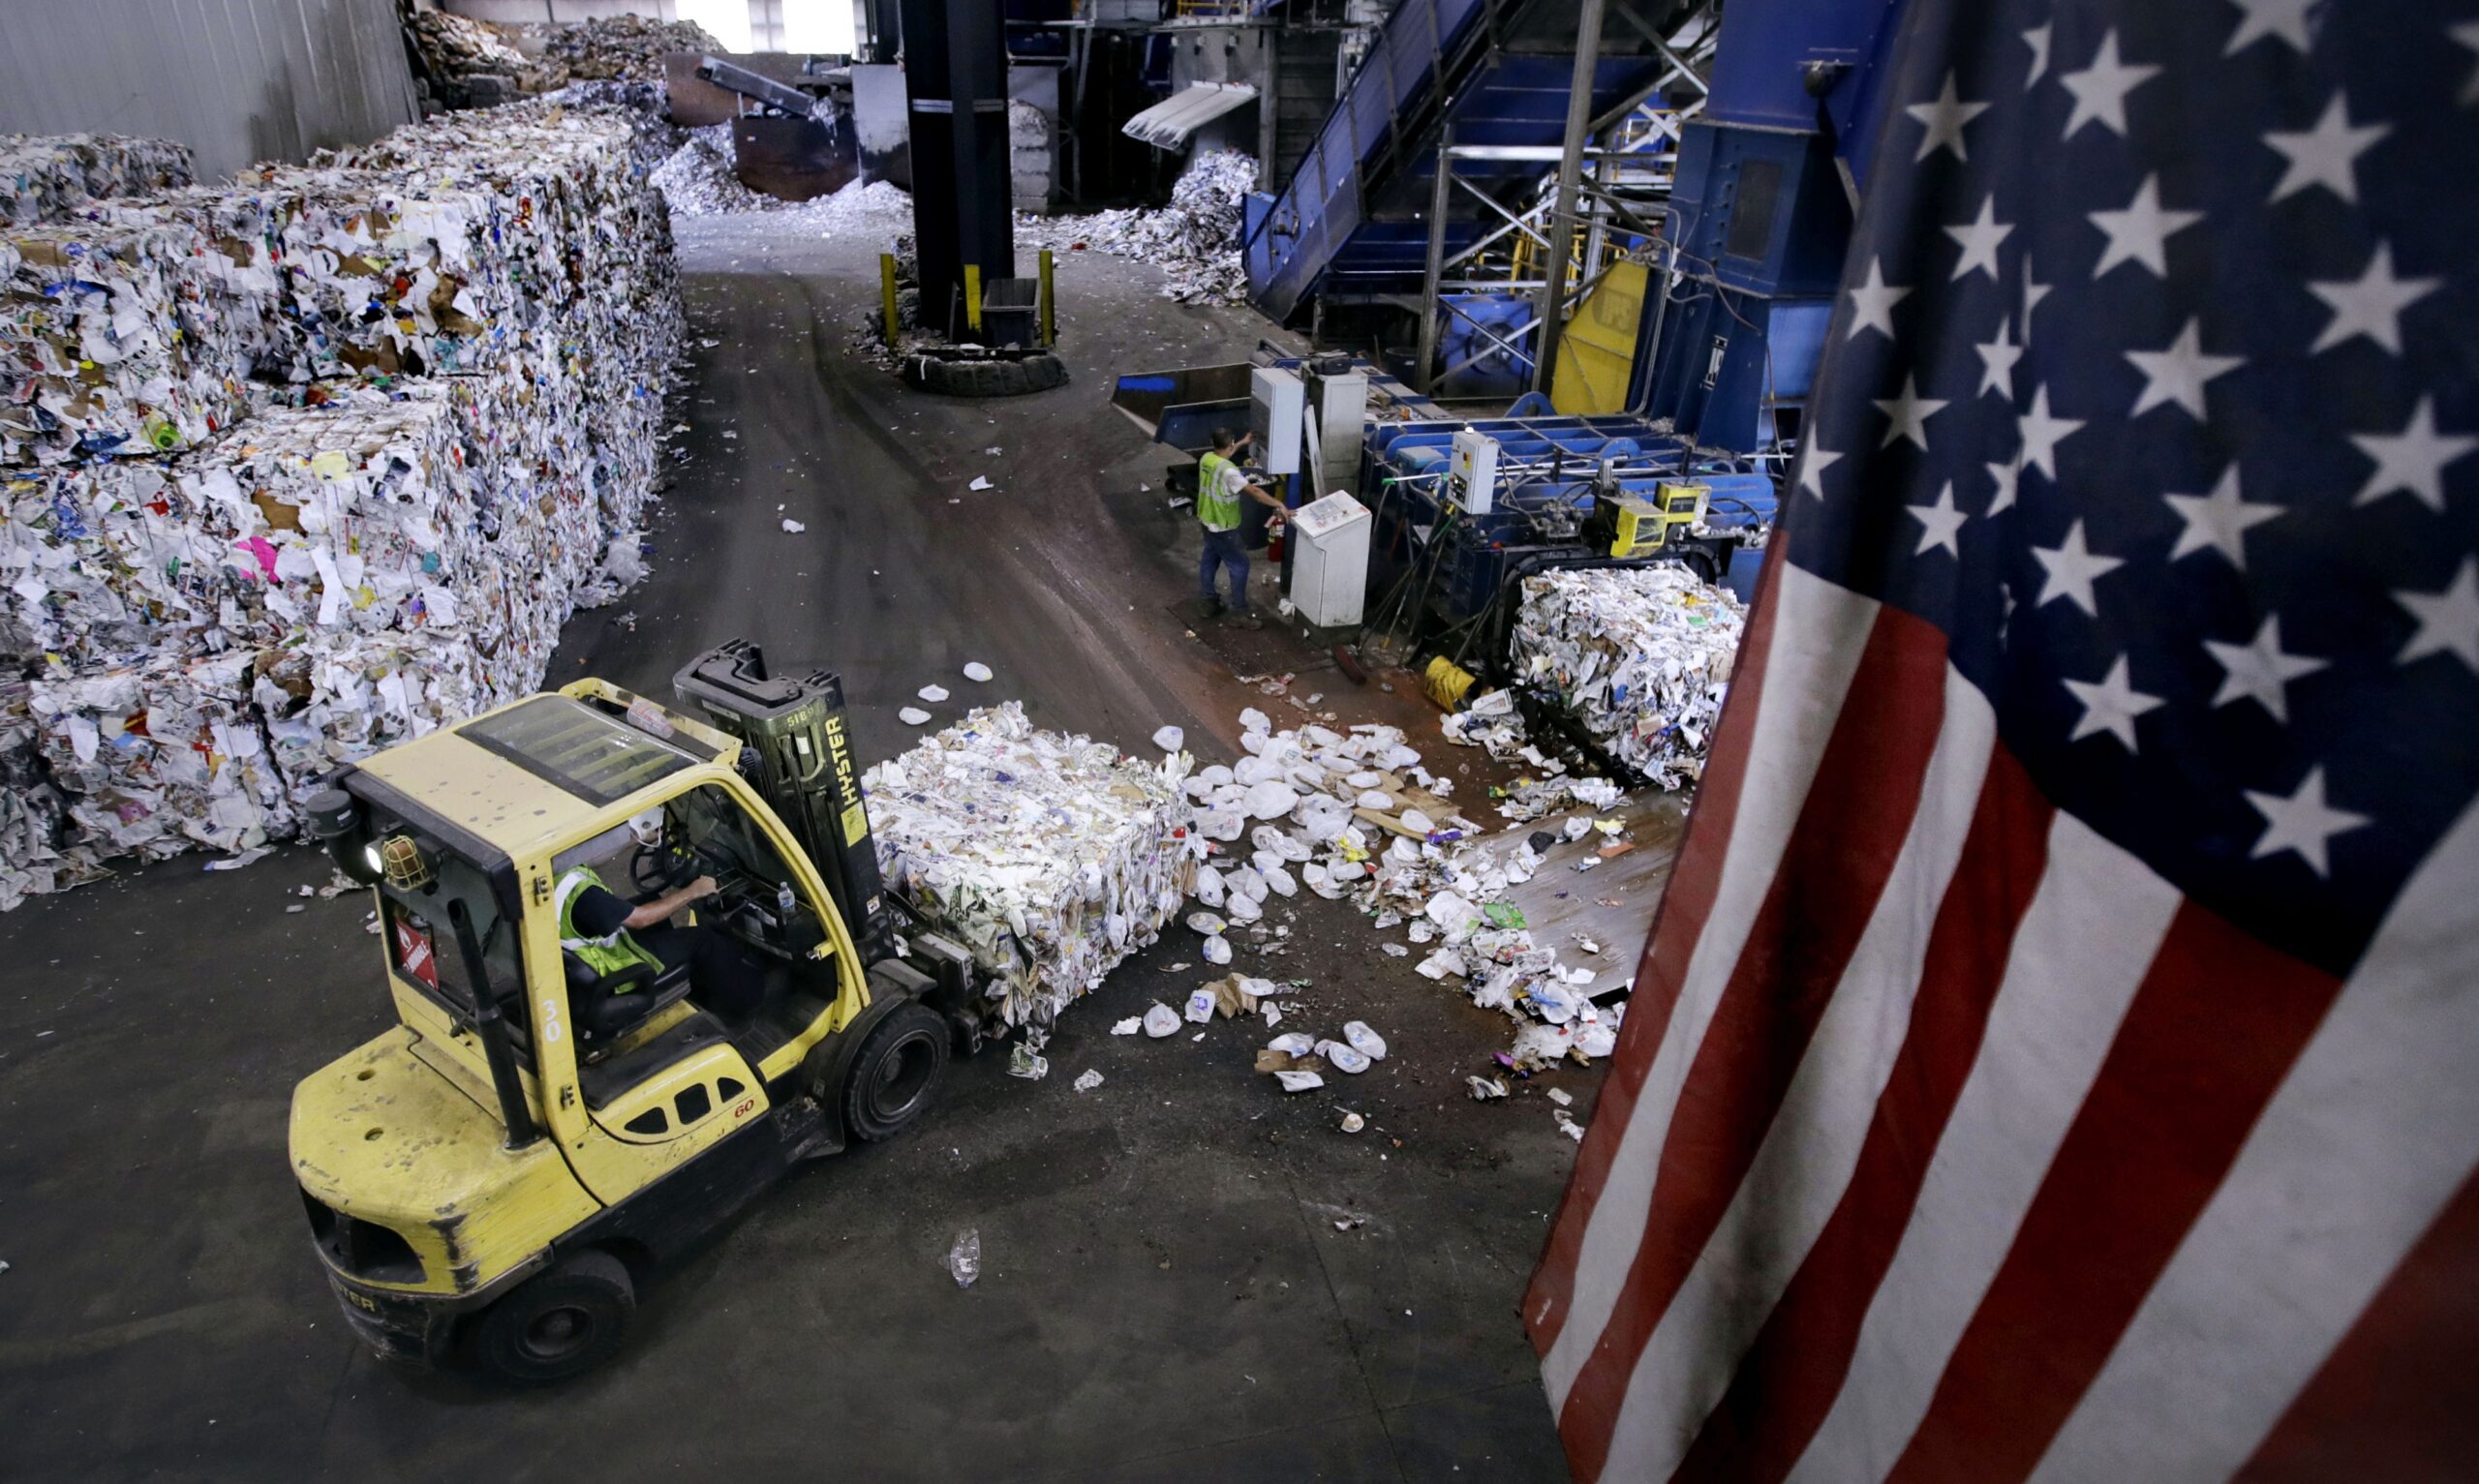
pixel 606 955
pixel 1217 507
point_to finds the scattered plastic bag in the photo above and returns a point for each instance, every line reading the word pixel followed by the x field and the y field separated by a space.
pixel 963 1259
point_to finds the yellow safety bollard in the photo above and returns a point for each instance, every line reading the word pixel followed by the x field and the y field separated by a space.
pixel 886 293
pixel 1050 303
pixel 972 296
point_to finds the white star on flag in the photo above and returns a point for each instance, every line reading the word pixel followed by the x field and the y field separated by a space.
pixel 2009 481
pixel 2034 293
pixel 2302 822
pixel 2072 568
pixel 2101 89
pixel 1980 239
pixel 2179 373
pixel 2219 520
pixel 2037 39
pixel 1997 358
pixel 1871 303
pixel 2043 432
pixel 2326 155
pixel 2412 459
pixel 1942 522
pixel 2282 19
pixel 2140 233
pixel 2448 621
pixel 1910 412
pixel 2372 304
pixel 2110 706
pixel 1811 466
pixel 1945 115
pixel 2259 671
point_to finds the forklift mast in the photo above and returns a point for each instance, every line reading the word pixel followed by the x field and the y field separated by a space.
pixel 797 753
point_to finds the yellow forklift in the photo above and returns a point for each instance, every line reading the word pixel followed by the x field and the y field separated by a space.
pixel 489 1181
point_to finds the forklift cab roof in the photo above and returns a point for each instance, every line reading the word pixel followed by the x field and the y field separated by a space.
pixel 531 776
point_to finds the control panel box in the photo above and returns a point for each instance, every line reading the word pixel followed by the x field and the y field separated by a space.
pixel 1471 471
pixel 1275 401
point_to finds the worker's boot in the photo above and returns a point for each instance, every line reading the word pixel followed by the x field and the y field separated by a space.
pixel 1244 621
pixel 1209 606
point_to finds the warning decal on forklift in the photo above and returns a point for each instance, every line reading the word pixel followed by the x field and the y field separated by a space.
pixel 413 956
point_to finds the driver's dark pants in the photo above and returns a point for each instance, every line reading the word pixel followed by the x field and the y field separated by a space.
pixel 724 975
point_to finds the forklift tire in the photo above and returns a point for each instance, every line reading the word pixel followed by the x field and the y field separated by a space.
pixel 562 1323
pixel 895 1076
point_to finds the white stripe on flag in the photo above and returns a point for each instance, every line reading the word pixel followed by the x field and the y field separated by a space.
pixel 2367 1138
pixel 2085 943
pixel 1814 1143
pixel 1819 630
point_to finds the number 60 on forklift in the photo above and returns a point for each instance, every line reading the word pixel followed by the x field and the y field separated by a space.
pixel 550 1120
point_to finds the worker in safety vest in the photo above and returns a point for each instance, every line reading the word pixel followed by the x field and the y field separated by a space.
pixel 1220 487
pixel 599 927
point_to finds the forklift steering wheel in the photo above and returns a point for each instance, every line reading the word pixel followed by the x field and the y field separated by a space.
pixel 663 868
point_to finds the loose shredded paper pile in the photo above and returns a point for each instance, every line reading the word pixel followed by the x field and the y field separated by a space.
pixel 460 46
pixel 1639 656
pixel 1351 814
pixel 1195 241
pixel 300 467
pixel 698 178
pixel 627 49
pixel 1050 858
pixel 49 177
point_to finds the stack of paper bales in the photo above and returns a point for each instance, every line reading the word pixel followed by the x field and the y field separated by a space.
pixel 51 178
pixel 296 468
pixel 1050 857
pixel 1639 656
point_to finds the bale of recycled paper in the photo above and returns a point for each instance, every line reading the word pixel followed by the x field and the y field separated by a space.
pixel 162 756
pixel 1639 656
pixel 52 177
pixel 1050 857
pixel 32 810
pixel 116 338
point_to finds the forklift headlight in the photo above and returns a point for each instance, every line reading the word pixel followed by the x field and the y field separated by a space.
pixel 338 821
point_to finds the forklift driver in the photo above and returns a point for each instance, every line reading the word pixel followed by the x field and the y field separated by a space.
pixel 609 934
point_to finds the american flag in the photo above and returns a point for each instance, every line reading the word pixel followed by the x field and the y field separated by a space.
pixel 2058 1056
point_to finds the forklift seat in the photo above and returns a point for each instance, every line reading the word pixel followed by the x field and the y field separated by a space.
pixel 606 1006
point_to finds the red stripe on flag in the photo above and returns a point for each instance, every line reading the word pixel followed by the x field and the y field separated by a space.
pixel 1660 971
pixel 2398 1399
pixel 2215 1026
pixel 1851 827
pixel 1786 1382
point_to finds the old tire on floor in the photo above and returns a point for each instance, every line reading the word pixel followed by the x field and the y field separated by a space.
pixel 895 1074
pixel 559 1324
pixel 992 377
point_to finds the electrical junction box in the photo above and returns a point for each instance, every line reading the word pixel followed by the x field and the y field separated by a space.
pixel 1471 471
pixel 1329 568
pixel 1275 401
pixel 1341 403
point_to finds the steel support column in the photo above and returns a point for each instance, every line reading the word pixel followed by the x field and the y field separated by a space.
pixel 1571 165
pixel 1439 195
pixel 955 75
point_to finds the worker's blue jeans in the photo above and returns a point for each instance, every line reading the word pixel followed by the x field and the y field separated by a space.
pixel 1222 550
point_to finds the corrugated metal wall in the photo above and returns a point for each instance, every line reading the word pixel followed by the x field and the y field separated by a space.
pixel 236 80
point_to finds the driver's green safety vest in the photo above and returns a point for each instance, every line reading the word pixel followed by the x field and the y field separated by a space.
pixel 606 955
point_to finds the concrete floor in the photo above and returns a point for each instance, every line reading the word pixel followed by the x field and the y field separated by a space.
pixel 1164 1293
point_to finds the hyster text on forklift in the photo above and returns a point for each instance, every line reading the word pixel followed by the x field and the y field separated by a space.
pixel 488 1180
